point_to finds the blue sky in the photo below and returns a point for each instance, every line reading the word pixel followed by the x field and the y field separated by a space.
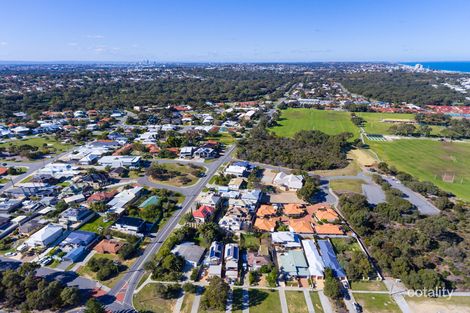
pixel 234 30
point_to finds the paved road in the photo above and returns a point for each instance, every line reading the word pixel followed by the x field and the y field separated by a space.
pixel 32 167
pixel 424 206
pixel 130 280
pixel 309 302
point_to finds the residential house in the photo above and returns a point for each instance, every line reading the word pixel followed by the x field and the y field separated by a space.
pixel 121 160
pixel 238 169
pixel 288 181
pixel 329 259
pixel 109 246
pixel 9 205
pixel 45 236
pixel 186 152
pixel 284 240
pixel 205 153
pixel 209 199
pixel 215 259
pixel 101 196
pixel 231 258
pixel 316 267
pixel 328 229
pixel 236 183
pixel 129 225
pixel 265 224
pixel 191 253
pixel 30 227
pixel 125 197
pixel 293 210
pixel 203 213
pixel 293 264
pixel 76 216
pixel 300 226
pixel 266 211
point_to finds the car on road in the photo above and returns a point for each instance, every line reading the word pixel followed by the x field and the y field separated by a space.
pixel 357 307
pixel 10 254
pixel 45 261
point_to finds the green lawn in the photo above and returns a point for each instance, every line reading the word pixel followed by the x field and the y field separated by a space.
pixel 370 285
pixel 377 303
pixel 96 225
pixel 39 142
pixel 316 302
pixel 296 302
pixel 345 244
pixel 347 185
pixel 429 160
pixel 375 124
pixel 262 301
pixel 223 138
pixel 330 122
pixel 148 300
pixel 249 241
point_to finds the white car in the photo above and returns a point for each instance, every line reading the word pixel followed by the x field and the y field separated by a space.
pixel 10 254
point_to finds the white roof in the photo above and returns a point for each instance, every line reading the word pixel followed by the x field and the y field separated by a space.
pixel 316 266
pixel 286 238
pixel 291 181
pixel 44 233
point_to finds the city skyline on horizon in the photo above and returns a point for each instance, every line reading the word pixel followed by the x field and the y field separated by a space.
pixel 234 31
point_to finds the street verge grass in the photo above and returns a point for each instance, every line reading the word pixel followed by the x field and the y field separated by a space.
pixel 296 302
pixel 377 303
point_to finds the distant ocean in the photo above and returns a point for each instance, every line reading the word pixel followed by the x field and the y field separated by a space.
pixel 462 66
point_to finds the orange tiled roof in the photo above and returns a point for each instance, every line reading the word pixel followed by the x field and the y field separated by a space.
pixel 293 209
pixel 300 226
pixel 265 224
pixel 328 229
pixel 265 210
pixel 327 214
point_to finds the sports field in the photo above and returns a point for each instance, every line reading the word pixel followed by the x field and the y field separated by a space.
pixel 430 160
pixel 376 125
pixel 329 122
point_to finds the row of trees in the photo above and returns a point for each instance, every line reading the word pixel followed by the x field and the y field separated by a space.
pixel 23 290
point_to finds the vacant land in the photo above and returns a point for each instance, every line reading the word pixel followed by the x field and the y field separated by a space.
pixel 347 185
pixel 430 160
pixel 375 122
pixel 96 225
pixel 187 303
pixel 442 305
pixel 39 142
pixel 87 272
pixel 377 303
pixel 316 302
pixel 262 301
pixel 147 300
pixel 329 122
pixel 369 285
pixel 223 138
pixel 296 302
pixel 178 174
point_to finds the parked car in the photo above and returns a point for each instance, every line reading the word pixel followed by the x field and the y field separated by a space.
pixel 10 254
pixel 358 307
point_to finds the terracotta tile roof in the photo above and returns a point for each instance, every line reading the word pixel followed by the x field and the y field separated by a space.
pixel 327 214
pixel 3 170
pixel 265 224
pixel 108 246
pixel 300 226
pixel 265 210
pixel 124 150
pixel 204 211
pixel 328 229
pixel 153 148
pixel 293 209
pixel 101 196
